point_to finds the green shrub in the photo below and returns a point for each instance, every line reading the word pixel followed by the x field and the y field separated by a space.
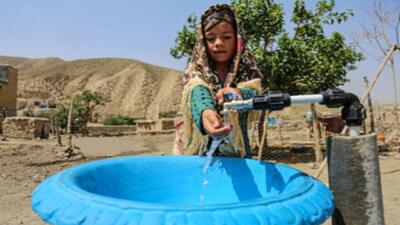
pixel 118 120
pixel 28 112
pixel 37 113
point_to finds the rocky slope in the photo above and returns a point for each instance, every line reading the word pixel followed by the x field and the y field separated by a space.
pixel 135 88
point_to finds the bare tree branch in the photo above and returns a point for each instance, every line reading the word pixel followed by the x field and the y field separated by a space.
pixel 357 41
pixel 389 22
pixel 375 37
pixel 383 18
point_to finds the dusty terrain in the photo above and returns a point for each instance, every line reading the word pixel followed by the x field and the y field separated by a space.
pixel 135 88
pixel 24 164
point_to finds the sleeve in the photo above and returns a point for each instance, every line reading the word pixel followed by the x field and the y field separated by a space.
pixel 200 101
pixel 248 93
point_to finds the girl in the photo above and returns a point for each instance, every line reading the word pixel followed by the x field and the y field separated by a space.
pixel 220 65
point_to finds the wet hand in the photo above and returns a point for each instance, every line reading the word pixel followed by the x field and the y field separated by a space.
pixel 222 92
pixel 213 124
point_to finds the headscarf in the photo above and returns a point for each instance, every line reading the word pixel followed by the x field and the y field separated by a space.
pixel 243 66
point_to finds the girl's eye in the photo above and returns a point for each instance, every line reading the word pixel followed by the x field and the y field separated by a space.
pixel 228 37
pixel 210 39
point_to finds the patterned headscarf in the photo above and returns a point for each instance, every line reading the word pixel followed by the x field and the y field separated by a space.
pixel 243 66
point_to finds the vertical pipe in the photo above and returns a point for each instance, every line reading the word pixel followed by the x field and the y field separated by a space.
pixel 354 178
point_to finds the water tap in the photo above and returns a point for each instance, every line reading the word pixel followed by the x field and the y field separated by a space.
pixel 229 98
pixel 234 102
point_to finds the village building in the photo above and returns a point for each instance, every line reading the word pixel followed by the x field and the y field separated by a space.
pixel 11 125
pixel 8 91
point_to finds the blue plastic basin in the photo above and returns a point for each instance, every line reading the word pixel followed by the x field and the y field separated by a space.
pixel 160 190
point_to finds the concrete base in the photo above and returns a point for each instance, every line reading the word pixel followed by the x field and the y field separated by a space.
pixel 354 178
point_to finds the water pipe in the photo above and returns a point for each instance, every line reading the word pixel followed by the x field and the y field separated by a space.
pixel 353 111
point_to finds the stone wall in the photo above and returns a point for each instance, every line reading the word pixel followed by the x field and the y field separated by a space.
pixel 154 125
pixel 26 127
pixel 101 130
pixel 167 124
pixel 147 125
pixel 8 90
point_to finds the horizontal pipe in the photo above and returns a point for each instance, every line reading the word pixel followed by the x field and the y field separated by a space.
pixel 306 99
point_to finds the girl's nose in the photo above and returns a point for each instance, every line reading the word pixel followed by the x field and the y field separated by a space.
pixel 219 42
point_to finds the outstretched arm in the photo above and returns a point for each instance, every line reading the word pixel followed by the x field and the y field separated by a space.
pixel 204 114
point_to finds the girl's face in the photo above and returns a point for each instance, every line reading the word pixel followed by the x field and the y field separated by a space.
pixel 220 42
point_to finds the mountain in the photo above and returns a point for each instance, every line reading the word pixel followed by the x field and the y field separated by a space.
pixel 135 88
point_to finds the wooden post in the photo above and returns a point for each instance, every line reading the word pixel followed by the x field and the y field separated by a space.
pixel 396 115
pixel 370 109
pixel 55 128
pixel 317 135
pixel 378 72
pixel 59 140
pixel 280 133
pixel 260 126
pixel 394 81
pixel 52 129
pixel 253 140
pixel 263 140
pixel 69 123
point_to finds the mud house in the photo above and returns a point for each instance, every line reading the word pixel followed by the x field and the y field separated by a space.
pixel 8 91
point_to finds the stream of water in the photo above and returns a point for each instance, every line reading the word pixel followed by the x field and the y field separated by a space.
pixel 209 157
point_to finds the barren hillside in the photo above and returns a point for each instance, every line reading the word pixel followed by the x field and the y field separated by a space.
pixel 135 88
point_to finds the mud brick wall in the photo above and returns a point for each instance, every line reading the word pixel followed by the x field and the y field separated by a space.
pixel 26 127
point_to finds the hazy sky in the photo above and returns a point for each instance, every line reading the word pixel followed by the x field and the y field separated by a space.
pixel 143 30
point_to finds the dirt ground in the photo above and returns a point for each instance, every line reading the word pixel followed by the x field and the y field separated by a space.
pixel 24 164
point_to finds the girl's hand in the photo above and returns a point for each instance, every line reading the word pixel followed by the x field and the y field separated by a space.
pixel 221 93
pixel 213 124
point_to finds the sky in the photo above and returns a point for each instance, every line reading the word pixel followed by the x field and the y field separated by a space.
pixel 146 30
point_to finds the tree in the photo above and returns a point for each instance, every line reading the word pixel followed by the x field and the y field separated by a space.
pixel 306 60
pixel 61 116
pixel 185 40
pixel 83 108
pixel 84 105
